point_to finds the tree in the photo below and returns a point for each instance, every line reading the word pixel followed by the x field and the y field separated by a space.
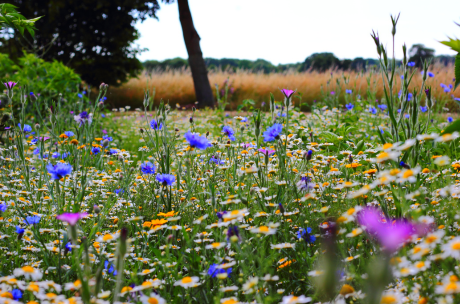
pixel 320 62
pixel 92 37
pixel 196 62
pixel 419 53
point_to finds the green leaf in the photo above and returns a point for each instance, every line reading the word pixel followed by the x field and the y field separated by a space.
pixel 453 44
pixel 455 126
pixel 359 147
pixel 457 70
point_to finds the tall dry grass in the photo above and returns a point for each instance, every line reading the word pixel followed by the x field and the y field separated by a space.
pixel 176 86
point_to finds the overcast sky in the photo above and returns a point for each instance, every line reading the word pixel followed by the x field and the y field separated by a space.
pixel 288 31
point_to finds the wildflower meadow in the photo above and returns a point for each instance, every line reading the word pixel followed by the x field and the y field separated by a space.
pixel 348 203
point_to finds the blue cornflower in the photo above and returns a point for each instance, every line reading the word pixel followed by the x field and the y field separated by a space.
pixel 411 64
pixel 281 115
pixel 59 170
pixel 26 128
pixel 68 246
pixel 229 132
pixel 102 115
pixel 113 151
pixel 409 96
pixel 213 270
pixel 273 132
pixel 118 191
pixel 19 230
pixel 450 119
pixel 402 77
pixel 33 141
pixel 348 91
pixel 69 133
pixel 406 115
pixel 245 119
pixel 32 220
pixel 3 207
pixel 17 294
pixel 107 137
pixel 373 110
pixel 197 141
pixel 96 150
pixel 349 106
pixel 404 165
pixel 148 168
pixel 166 179
pixel 154 125
pixel 382 107
pixel 216 160
pixel 111 270
pixel 56 155
pixel 423 109
pixel 306 235
pixel 65 155
pixel 80 96
pixel 430 74
pixel 220 214
pixel 457 99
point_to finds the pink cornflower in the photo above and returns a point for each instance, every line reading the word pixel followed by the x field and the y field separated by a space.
pixel 71 218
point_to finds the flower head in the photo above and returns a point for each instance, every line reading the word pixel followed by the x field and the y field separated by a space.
pixel 349 106
pixel 154 125
pixel 10 84
pixel 229 132
pixel 59 170
pixel 71 218
pixel 273 132
pixel 83 117
pixel 148 168
pixel 197 141
pixel 166 179
pixel 32 220
pixel 287 93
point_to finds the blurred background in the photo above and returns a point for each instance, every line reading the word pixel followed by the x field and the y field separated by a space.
pixel 247 49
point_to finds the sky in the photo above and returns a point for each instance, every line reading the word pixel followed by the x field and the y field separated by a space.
pixel 288 31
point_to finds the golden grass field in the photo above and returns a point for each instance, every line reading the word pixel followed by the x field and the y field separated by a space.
pixel 176 86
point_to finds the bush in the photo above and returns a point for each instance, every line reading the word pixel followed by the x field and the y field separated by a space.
pixel 41 77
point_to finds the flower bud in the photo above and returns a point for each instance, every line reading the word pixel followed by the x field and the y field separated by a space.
pixel 96 209
pixel 105 143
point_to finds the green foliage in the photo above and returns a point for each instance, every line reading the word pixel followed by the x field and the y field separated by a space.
pixel 9 17
pixel 93 37
pixel 47 78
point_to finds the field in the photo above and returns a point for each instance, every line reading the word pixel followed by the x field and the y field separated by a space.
pixel 342 205
pixel 176 86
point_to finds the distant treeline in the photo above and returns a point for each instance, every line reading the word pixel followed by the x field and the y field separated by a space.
pixel 316 62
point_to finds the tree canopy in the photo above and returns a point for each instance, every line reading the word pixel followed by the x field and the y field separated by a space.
pixel 93 37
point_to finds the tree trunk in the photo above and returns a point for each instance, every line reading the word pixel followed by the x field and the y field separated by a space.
pixel 203 90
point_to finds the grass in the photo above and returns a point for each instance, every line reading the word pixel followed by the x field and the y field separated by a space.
pixel 177 86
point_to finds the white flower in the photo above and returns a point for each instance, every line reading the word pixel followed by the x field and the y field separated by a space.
pixel 250 284
pixel 28 272
pixel 294 299
pixel 452 248
pixel 442 161
pixel 188 282
pixel 152 299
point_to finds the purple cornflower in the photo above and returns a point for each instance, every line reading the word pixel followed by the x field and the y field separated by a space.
pixel 273 132
pixel 391 234
pixel 10 85
pixel 304 184
pixel 287 93
pixel 266 152
pixel 229 132
pixel 71 218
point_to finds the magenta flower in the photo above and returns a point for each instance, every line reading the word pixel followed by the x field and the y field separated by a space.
pixel 287 93
pixel 71 218
pixel 10 84
pixel 266 152
pixel 391 234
